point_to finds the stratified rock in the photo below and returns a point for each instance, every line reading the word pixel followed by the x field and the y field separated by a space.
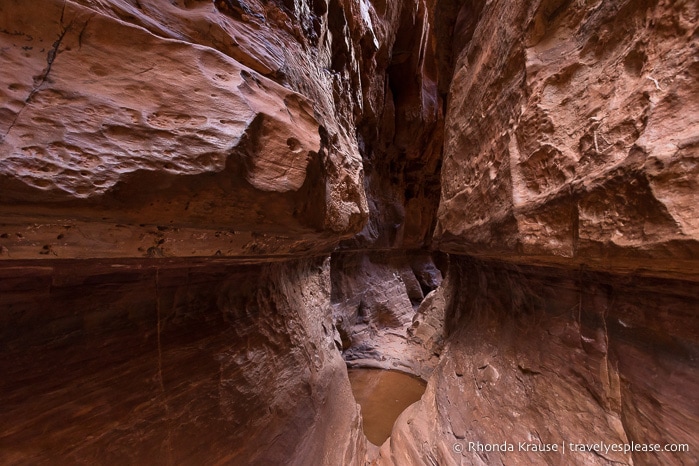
pixel 118 114
pixel 570 141
pixel 572 138
pixel 183 363
pixel 427 328
pixel 372 291
pixel 156 155
pixel 549 356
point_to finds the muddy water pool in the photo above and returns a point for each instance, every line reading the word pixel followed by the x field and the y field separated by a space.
pixel 383 395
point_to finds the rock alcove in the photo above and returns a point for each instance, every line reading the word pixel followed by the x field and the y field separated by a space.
pixel 209 209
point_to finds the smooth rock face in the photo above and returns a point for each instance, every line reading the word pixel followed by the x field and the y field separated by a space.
pixel 543 356
pixel 172 364
pixel 572 138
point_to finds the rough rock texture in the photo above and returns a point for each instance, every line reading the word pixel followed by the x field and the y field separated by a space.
pixel 137 133
pixel 177 363
pixel 164 114
pixel 399 131
pixel 569 141
pixel 379 302
pixel 376 288
pixel 427 328
pixel 543 355
pixel 572 138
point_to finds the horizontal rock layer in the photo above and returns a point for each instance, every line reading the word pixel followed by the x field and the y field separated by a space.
pixel 136 133
pixel 118 115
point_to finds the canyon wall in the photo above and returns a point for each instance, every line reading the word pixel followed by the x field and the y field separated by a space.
pixel 203 204
pixel 550 356
pixel 157 157
pixel 388 309
pixel 172 363
pixel 571 139
pixel 173 178
pixel 570 171
pixel 224 128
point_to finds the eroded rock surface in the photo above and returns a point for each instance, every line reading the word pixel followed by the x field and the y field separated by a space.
pixel 572 138
pixel 182 115
pixel 379 304
pixel 173 364
pixel 566 127
pixel 135 133
pixel 544 356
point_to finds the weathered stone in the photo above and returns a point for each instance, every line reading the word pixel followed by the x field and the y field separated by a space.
pixel 108 123
pixel 552 356
pixel 178 363
pixel 572 138
pixel 143 144
pixel 376 301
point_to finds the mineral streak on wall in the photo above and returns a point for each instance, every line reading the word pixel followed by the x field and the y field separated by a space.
pixel 175 363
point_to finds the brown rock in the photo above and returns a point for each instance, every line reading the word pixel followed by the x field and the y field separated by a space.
pixel 176 364
pixel 547 356
pixel 378 304
pixel 135 134
pixel 149 125
pixel 565 137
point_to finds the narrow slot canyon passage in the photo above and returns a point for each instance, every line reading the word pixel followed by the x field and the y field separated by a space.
pixel 349 232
